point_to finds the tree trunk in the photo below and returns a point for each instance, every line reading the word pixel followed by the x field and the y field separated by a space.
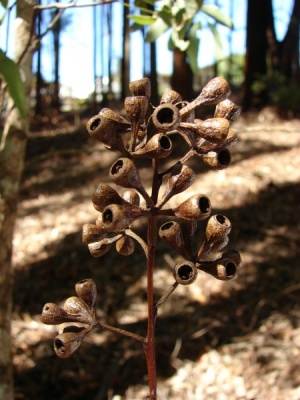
pixel 125 65
pixel 259 43
pixel 182 77
pixel 39 79
pixel 11 166
pixel 289 47
pixel 56 44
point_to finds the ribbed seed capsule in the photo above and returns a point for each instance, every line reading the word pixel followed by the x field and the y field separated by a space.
pixel 227 109
pixel 196 207
pixel 132 197
pixel 215 91
pixel 170 96
pixel 171 233
pixel 141 87
pixel 67 342
pixel 223 269
pixel 219 159
pixel 185 272
pixel 159 146
pixel 180 179
pixel 87 291
pixel 218 226
pixel 104 196
pixel 116 218
pixel 125 246
pixel 166 117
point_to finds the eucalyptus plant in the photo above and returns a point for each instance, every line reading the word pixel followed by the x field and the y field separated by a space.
pixel 148 132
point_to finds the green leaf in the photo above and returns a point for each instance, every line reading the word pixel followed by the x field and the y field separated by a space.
pixel 192 7
pixel 156 29
pixel 11 74
pixel 218 42
pixel 141 3
pixel 193 49
pixel 4 3
pixel 176 42
pixel 215 13
pixel 142 19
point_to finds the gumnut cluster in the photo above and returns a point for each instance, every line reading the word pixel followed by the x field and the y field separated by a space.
pixel 148 132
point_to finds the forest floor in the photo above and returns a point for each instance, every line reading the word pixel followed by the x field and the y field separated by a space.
pixel 215 340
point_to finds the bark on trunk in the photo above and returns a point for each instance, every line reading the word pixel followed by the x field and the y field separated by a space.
pixel 11 166
pixel 260 41
pixel 182 77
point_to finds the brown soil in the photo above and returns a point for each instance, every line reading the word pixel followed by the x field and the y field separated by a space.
pixel 215 340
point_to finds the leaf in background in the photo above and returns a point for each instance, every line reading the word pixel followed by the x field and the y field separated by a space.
pixel 156 29
pixel 217 15
pixel 4 3
pixel 11 74
pixel 193 49
pixel 192 7
pixel 218 42
pixel 176 42
pixel 142 19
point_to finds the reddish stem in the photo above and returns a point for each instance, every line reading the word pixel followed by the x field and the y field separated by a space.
pixel 149 346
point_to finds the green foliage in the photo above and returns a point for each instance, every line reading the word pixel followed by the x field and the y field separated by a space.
pixel 179 17
pixel 4 3
pixel 282 94
pixel 9 70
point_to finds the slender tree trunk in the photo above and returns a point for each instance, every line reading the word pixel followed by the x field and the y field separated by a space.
pixel 39 80
pixel 182 77
pixel 56 43
pixel 11 166
pixel 125 65
pixel 289 47
pixel 259 42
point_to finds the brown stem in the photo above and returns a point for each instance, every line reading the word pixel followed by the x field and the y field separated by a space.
pixel 149 345
pixel 121 331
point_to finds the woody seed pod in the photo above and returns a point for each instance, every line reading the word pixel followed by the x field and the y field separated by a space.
pixel 214 130
pixel 136 108
pixel 185 272
pixel 230 140
pixel 209 247
pixel 171 97
pixel 196 207
pixel 106 195
pixel 171 233
pixel 67 342
pixel 75 305
pixel 166 117
pixel 92 233
pixel 98 249
pixel 132 197
pixel 125 246
pixel 180 179
pixel 223 269
pixel 227 109
pixel 141 87
pixel 219 159
pixel 215 91
pixel 107 127
pixel 54 315
pixel 117 218
pixel 159 146
pixel 87 291
pixel 233 255
pixel 124 173
pixel 218 226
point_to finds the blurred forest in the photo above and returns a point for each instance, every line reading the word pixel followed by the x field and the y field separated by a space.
pixel 237 340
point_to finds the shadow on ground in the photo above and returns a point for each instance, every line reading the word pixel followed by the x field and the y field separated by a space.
pixel 267 229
